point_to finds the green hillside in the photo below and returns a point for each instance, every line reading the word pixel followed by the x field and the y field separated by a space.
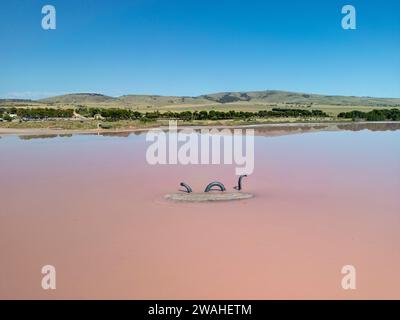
pixel 251 100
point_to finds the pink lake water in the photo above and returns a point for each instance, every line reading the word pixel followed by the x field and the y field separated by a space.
pixel 95 209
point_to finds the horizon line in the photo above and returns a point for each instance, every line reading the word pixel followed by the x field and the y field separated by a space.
pixel 47 95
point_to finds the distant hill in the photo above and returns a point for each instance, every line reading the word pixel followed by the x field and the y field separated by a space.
pixel 79 98
pixel 274 96
pixel 19 103
pixel 155 100
pixel 15 101
pixel 244 99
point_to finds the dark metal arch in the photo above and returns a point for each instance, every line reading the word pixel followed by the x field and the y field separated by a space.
pixel 239 186
pixel 187 187
pixel 215 184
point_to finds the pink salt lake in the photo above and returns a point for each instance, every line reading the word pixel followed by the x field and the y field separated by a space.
pixel 94 208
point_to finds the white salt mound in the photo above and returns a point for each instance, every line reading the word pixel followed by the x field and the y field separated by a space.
pixel 209 196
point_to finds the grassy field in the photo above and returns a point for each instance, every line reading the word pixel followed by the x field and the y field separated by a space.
pixel 333 110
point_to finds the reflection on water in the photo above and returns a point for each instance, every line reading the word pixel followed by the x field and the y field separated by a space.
pixel 44 136
pixel 261 130
pixel 370 126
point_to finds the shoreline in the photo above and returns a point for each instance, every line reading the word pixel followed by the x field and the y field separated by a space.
pixel 281 126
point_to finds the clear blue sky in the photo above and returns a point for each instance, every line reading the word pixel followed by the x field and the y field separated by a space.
pixel 191 47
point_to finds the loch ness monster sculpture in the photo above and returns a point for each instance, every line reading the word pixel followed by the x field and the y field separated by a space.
pixel 239 186
pixel 215 184
pixel 187 187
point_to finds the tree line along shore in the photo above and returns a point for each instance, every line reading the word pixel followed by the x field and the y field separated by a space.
pixel 116 118
pixel 115 114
